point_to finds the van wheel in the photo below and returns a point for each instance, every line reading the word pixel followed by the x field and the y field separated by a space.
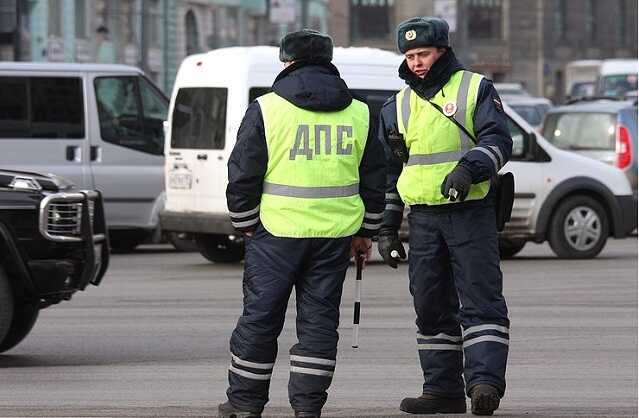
pixel 579 228
pixel 509 247
pixel 182 241
pixel 219 248
pixel 6 304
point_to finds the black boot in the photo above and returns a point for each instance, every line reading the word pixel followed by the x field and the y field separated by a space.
pixel 306 414
pixel 484 399
pixel 227 410
pixel 432 404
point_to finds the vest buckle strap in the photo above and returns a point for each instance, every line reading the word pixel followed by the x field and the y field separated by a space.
pixel 435 158
pixel 310 192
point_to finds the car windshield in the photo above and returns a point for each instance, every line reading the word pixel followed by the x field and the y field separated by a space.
pixel 581 130
pixel 618 85
pixel 533 114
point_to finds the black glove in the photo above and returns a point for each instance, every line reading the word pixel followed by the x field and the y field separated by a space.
pixel 457 184
pixel 387 242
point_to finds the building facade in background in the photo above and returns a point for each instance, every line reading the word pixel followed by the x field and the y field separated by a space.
pixel 155 35
pixel 528 41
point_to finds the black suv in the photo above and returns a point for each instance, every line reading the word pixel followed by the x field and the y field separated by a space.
pixel 53 242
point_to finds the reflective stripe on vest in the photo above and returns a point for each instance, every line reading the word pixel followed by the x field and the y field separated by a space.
pixel 436 143
pixel 311 185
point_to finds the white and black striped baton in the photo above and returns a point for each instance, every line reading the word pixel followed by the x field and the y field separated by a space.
pixel 359 262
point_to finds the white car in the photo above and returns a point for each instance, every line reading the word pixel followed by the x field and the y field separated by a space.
pixel 574 202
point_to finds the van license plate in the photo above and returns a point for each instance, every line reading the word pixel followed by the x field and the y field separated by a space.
pixel 180 180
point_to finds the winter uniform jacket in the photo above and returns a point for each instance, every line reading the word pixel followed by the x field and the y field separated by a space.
pixel 490 126
pixel 316 87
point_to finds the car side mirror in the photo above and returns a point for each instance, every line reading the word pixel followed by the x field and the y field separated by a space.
pixel 521 145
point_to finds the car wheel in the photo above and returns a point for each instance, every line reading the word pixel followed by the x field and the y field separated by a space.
pixel 220 248
pixel 579 228
pixel 6 304
pixel 182 241
pixel 509 247
pixel 24 318
pixel 125 241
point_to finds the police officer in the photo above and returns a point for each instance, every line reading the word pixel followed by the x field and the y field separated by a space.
pixel 306 187
pixel 449 127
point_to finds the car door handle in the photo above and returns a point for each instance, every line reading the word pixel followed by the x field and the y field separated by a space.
pixel 202 157
pixel 73 153
pixel 95 153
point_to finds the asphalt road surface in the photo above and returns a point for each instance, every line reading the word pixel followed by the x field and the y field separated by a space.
pixel 153 341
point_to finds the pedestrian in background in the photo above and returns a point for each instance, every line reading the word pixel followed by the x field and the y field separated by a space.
pixel 306 187
pixel 449 128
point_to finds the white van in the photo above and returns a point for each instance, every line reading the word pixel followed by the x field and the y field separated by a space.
pixel 618 78
pixel 98 125
pixel 554 188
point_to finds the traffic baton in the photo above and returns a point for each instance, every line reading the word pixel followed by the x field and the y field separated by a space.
pixel 359 262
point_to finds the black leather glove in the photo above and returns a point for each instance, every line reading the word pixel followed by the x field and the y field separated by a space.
pixel 457 184
pixel 388 242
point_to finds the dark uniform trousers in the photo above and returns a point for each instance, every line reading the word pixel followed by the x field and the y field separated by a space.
pixel 455 280
pixel 316 268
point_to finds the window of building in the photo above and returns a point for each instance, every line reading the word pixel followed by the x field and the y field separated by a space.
pixel 55 18
pixel 152 24
pixel 192 33
pixel 589 11
pixel 199 118
pixel 81 19
pixel 621 22
pixel 371 19
pixel 41 107
pixel 559 19
pixel 130 113
pixel 485 19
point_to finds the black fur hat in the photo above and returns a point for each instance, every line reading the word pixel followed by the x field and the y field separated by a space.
pixel 306 45
pixel 422 32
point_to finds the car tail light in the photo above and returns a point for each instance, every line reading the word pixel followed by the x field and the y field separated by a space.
pixel 623 147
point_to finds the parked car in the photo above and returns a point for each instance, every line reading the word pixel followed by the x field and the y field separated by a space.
pixel 605 130
pixel 532 109
pixel 581 78
pixel 99 125
pixel 511 89
pixel 53 243
pixel 618 78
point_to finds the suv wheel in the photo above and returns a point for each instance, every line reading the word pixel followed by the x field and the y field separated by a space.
pixel 509 247
pixel 21 317
pixel 220 248
pixel 6 304
pixel 579 228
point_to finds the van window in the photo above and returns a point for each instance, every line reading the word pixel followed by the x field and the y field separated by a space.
pixel 618 84
pixel 124 118
pixel 199 118
pixel 581 130
pixel 41 107
pixel 374 98
pixel 256 92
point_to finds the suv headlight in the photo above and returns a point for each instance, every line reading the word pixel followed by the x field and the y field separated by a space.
pixel 25 183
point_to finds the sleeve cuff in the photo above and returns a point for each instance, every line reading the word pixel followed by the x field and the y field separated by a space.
pixel 246 220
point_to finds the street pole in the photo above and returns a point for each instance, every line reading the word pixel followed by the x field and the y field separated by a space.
pixel 304 13
pixel 143 40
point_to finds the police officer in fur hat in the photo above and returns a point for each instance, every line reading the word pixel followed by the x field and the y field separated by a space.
pixel 449 137
pixel 306 188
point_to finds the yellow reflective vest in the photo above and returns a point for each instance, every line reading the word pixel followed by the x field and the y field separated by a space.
pixel 311 186
pixel 435 143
